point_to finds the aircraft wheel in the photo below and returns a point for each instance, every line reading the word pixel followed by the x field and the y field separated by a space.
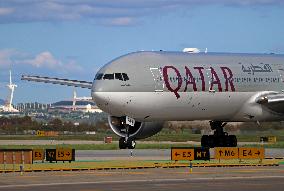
pixel 228 141
pixel 122 144
pixel 211 141
pixel 131 144
pixel 205 141
pixel 221 141
pixel 233 140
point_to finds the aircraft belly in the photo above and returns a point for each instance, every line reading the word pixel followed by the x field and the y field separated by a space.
pixel 151 106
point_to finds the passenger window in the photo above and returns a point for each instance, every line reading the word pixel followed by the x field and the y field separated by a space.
pixel 108 76
pixel 118 76
pixel 125 77
pixel 99 76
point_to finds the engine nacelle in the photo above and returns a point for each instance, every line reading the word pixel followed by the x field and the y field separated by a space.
pixel 141 130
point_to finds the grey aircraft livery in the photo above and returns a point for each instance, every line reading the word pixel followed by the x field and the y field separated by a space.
pixel 142 89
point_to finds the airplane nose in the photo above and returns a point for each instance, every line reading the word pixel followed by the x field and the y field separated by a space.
pixel 100 97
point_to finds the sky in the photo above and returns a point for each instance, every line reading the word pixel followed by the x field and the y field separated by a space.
pixel 74 38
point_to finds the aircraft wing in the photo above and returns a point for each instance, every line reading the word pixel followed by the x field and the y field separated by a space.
pixel 274 102
pixel 66 82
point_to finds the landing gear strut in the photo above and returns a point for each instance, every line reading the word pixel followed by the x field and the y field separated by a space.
pixel 124 144
pixel 220 138
pixel 127 142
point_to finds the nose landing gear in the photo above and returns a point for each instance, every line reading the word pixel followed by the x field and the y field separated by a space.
pixel 126 143
pixel 219 138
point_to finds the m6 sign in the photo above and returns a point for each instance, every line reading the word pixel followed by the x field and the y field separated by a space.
pixel 226 153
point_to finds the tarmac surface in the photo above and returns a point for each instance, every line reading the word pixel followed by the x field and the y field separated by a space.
pixel 233 178
pixel 146 154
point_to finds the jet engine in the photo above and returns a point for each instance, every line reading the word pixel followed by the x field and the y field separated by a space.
pixel 140 130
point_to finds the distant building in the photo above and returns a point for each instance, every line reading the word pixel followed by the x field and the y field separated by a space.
pixel 67 106
pixel 32 107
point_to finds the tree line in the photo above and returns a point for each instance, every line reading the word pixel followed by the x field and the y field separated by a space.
pixel 18 125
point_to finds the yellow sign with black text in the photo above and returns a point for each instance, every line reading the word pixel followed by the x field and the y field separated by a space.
pixel 182 154
pixel 226 153
pixel 251 153
pixel 38 154
pixel 239 153
pixel 63 154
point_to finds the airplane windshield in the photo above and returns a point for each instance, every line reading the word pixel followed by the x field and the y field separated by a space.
pixel 108 76
pixel 117 76
pixel 99 76
pixel 125 77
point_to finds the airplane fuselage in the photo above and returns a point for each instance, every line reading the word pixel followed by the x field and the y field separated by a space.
pixel 162 86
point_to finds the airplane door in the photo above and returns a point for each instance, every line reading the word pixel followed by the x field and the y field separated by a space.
pixel 158 78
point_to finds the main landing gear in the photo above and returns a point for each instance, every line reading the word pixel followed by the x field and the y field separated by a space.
pixel 220 138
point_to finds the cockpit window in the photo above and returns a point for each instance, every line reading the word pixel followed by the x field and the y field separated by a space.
pixel 99 76
pixel 125 77
pixel 118 76
pixel 108 76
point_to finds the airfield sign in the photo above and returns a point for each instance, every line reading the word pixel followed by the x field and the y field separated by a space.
pixel 182 154
pixel 63 154
pixel 239 153
pixel 189 153
pixel 38 154
pixel 60 154
pixel 251 153
pixel 226 153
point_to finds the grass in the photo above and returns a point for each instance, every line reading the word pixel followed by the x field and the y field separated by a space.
pixel 97 137
pixel 114 146
pixel 279 144
pixel 164 135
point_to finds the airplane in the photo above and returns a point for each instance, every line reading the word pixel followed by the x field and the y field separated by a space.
pixel 141 90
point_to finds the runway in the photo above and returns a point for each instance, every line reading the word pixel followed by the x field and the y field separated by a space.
pixel 237 178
